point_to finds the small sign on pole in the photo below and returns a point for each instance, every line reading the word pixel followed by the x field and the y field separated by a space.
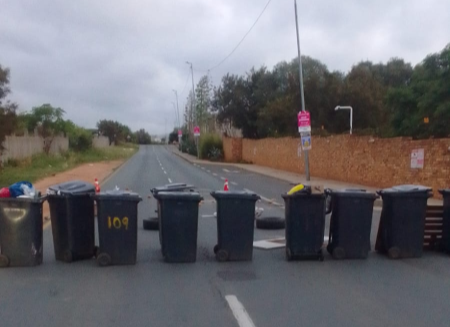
pixel 304 122
pixel 180 133
pixel 306 141
pixel 417 158
pixel 196 131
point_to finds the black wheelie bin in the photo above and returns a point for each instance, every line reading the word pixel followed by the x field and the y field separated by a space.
pixel 402 221
pixel 73 223
pixel 445 241
pixel 305 225
pixel 174 187
pixel 117 216
pixel 178 213
pixel 235 225
pixel 351 223
pixel 21 231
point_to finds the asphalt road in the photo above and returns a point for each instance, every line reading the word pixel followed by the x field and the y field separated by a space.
pixel 274 292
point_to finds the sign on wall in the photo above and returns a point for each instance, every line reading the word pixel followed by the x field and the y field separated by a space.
pixel 417 158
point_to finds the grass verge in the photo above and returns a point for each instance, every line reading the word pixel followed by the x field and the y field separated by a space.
pixel 41 165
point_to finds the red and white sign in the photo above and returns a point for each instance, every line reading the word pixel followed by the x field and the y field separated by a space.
pixel 417 158
pixel 304 122
pixel 180 133
pixel 196 131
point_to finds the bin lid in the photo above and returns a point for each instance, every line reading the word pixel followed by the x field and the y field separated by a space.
pixel 24 199
pixel 302 194
pixel 71 188
pixel 353 192
pixel 235 195
pixel 185 196
pixel 174 187
pixel 118 195
pixel 402 190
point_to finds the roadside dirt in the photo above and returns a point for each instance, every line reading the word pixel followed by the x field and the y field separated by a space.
pixel 85 172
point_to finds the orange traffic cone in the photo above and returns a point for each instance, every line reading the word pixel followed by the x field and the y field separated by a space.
pixel 97 186
pixel 225 186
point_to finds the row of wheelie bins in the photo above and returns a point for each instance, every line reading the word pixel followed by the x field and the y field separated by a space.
pixel 400 234
pixel 72 214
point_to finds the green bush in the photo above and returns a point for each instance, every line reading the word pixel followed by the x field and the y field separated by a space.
pixel 80 139
pixel 211 147
pixel 188 146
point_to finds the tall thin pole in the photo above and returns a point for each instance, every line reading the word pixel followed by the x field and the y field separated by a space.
pixel 308 178
pixel 178 111
pixel 193 105
pixel 193 93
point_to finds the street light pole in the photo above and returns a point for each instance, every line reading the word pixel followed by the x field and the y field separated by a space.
pixel 193 106
pixel 308 178
pixel 193 93
pixel 351 114
pixel 178 111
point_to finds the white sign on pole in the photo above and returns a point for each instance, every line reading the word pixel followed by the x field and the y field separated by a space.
pixel 306 141
pixel 417 158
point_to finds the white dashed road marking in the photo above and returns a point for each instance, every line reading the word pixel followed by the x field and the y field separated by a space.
pixel 239 312
pixel 223 178
pixel 234 183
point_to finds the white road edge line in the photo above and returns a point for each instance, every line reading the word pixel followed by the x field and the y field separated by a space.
pixel 239 312
pixel 214 174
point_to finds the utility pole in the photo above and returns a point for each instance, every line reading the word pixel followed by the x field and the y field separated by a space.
pixel 308 178
pixel 193 94
pixel 178 111
pixel 193 106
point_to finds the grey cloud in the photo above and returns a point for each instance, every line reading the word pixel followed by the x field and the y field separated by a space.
pixel 121 59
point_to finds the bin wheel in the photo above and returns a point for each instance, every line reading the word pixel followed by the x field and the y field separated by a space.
pixel 338 253
pixel 151 223
pixel 394 253
pixel 4 261
pixel 103 260
pixel 68 256
pixel 216 248
pixel 222 255
pixel 288 254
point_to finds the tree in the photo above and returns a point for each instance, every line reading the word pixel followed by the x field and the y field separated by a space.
pixel 8 118
pixel 203 94
pixel 427 95
pixel 48 121
pixel 143 137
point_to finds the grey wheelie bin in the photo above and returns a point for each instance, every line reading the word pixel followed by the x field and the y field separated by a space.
pixel 235 225
pixel 179 225
pixel 117 215
pixel 402 221
pixel 73 224
pixel 21 231
pixel 445 242
pixel 350 224
pixel 305 225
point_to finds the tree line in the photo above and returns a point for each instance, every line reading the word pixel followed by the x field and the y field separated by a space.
pixel 49 122
pixel 388 99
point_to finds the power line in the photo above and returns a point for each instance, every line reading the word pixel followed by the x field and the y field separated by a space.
pixel 242 40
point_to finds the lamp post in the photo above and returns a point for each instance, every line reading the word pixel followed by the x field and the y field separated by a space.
pixel 351 114
pixel 193 105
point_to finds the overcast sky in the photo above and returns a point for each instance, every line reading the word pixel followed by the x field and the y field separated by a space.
pixel 120 59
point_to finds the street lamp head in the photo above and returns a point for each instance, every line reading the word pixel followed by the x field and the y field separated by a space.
pixel 337 108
